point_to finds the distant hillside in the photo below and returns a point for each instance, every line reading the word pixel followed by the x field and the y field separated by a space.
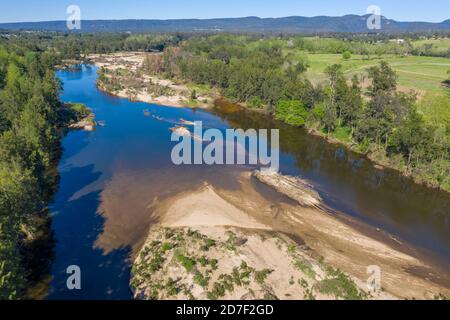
pixel 304 25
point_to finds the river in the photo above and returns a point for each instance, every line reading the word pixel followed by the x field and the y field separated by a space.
pixel 109 178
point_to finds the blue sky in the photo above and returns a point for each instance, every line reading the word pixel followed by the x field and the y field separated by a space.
pixel 41 10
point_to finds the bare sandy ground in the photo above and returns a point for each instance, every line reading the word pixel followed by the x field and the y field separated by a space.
pixel 323 236
pixel 205 208
pixel 256 244
pixel 133 204
pixel 131 208
pixel 133 61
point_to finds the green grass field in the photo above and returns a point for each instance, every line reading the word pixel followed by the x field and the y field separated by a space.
pixel 425 74
pixel 421 74
pixel 441 45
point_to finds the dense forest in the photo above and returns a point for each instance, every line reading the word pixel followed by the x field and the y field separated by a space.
pixel 29 149
pixel 267 72
pixel 76 46
pixel 378 120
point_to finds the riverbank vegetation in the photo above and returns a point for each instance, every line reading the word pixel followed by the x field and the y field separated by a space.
pixel 78 45
pixel 31 119
pixel 403 127
pixel 129 75
pixel 367 93
pixel 383 96
pixel 322 83
pixel 185 263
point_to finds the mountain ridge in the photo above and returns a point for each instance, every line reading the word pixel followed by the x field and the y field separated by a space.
pixel 292 24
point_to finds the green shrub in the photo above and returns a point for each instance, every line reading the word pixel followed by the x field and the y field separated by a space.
pixel 214 263
pixel 255 102
pixel 292 112
pixel 186 262
pixel 346 55
pixel 167 246
pixel 340 286
pixel 343 134
pixel 201 280
pixel 318 112
pixel 209 243
pixel 156 262
pixel 305 267
pixel 171 287
pixel 218 291
pixel 261 276
pixel 203 261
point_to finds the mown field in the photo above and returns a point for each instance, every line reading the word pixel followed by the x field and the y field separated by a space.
pixel 424 74
pixel 441 45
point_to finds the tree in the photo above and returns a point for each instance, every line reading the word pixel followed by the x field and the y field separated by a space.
pixel 153 64
pixel 344 100
pixel 382 115
pixel 365 53
pixel 296 66
pixel 336 78
pixel 318 112
pixel 303 90
pixel 28 147
pixel 193 95
pixel 329 118
pixel 379 51
pixel 386 109
pixel 351 105
pixel 447 82
pixel 13 75
pixel 410 138
pixel 17 200
pixel 384 79
pixel 346 55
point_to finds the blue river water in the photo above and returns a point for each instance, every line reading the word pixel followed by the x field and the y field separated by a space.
pixel 104 173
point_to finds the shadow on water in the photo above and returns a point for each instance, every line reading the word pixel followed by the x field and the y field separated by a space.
pixel 350 183
pixel 136 148
pixel 77 226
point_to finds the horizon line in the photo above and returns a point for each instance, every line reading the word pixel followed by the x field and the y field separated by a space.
pixel 223 18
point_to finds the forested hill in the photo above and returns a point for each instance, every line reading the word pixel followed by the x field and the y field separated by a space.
pixel 303 25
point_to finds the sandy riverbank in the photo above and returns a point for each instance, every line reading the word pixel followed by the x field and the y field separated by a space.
pixel 177 94
pixel 212 211
pixel 321 239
